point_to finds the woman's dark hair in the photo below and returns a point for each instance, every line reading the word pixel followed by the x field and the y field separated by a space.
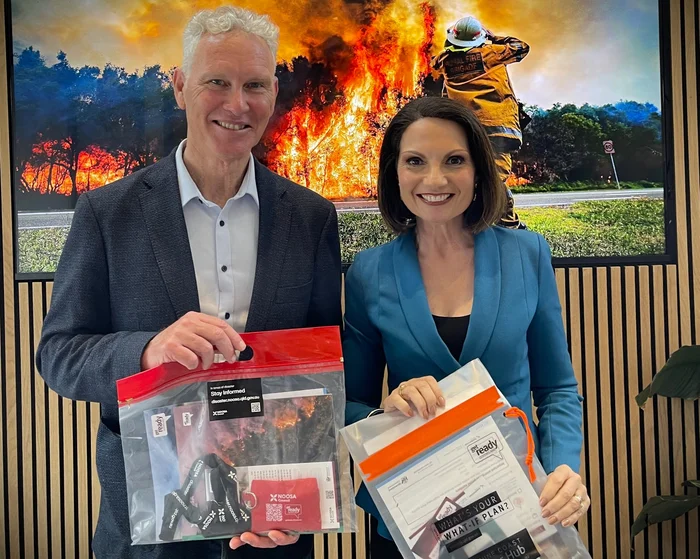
pixel 490 203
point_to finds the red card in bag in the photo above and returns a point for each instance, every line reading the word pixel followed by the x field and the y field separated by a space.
pixel 293 504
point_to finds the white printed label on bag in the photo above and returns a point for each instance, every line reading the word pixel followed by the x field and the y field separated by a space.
pixel 159 424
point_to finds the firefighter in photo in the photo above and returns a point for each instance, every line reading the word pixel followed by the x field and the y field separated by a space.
pixel 474 67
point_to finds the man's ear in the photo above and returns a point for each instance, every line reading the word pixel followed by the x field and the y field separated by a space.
pixel 178 87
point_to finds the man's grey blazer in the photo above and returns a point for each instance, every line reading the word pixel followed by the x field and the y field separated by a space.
pixel 126 273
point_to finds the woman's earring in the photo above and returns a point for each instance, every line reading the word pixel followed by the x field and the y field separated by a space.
pixel 476 185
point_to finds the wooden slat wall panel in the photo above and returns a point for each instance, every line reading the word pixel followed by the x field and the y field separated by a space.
pixel 10 522
pixel 605 406
pixel 690 50
pixel 676 435
pixel 633 427
pixel 685 135
pixel 619 389
pixel 40 433
pixel 661 432
pixel 647 424
pixel 27 458
pixel 591 393
pixel 621 323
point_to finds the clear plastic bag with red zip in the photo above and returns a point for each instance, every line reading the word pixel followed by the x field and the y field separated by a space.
pixel 247 446
pixel 463 484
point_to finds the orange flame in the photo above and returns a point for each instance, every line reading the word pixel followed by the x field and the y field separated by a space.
pixel 307 406
pixel 336 152
pixel 96 167
pixel 53 171
pixel 291 414
pixel 285 417
pixel 513 180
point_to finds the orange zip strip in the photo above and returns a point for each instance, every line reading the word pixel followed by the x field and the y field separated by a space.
pixel 516 412
pixel 431 433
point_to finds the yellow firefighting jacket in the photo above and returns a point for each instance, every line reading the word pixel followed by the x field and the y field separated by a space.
pixel 477 77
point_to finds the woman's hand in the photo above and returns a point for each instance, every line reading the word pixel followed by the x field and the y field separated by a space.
pixel 564 497
pixel 423 394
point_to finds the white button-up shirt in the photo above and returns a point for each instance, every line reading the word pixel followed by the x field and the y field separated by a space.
pixel 224 244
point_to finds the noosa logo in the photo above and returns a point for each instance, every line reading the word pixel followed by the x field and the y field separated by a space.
pixel 278 497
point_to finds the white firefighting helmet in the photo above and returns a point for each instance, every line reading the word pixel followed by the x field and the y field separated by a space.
pixel 467 32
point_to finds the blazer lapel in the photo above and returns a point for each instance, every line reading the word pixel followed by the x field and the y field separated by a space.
pixel 414 303
pixel 487 295
pixel 273 234
pixel 165 223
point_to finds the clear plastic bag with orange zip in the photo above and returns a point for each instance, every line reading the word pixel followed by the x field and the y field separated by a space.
pixel 250 446
pixel 463 484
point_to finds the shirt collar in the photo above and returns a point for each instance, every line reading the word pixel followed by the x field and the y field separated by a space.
pixel 190 191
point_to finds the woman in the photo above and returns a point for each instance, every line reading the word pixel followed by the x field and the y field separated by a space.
pixel 452 288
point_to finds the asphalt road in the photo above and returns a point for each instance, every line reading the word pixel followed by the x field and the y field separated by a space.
pixel 542 199
pixel 44 220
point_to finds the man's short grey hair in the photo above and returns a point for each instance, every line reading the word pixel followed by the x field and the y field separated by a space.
pixel 224 20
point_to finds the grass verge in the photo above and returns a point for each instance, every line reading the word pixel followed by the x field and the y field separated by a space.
pixel 595 228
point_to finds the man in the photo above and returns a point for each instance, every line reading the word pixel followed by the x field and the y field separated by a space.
pixel 169 263
pixel 475 74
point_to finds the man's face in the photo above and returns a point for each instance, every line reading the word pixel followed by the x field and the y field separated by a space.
pixel 229 94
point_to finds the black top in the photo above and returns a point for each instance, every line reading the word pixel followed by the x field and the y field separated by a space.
pixel 453 331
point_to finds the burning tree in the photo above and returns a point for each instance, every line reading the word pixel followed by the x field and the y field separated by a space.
pixel 334 149
pixel 80 128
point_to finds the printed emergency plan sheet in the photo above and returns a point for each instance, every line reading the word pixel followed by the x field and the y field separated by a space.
pixel 468 493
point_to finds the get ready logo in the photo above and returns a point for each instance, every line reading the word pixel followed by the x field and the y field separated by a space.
pixel 159 424
pixel 485 447
pixel 292 512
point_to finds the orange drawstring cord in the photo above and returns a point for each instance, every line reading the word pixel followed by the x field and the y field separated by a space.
pixel 516 412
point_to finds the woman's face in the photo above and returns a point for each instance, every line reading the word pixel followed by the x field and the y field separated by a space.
pixel 435 170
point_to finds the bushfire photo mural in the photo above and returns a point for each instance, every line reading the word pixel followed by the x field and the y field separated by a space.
pixel 570 93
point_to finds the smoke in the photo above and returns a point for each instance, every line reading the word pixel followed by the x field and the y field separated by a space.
pixel 580 51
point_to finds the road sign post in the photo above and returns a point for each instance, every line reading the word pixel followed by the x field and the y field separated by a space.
pixel 608 147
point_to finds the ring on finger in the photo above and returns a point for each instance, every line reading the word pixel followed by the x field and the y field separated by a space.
pixel 401 387
pixel 580 501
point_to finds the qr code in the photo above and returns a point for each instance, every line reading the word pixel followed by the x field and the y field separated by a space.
pixel 330 494
pixel 255 407
pixel 273 513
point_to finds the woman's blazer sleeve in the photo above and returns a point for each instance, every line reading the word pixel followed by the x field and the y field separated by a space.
pixel 554 386
pixel 362 341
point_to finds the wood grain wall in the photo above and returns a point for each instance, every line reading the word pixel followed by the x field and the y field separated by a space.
pixel 622 322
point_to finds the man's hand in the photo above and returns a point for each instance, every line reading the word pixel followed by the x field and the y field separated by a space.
pixel 192 339
pixel 273 539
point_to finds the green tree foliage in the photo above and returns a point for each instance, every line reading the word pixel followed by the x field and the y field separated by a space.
pixel 565 143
